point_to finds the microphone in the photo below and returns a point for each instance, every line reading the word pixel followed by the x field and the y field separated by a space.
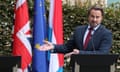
pixel 92 40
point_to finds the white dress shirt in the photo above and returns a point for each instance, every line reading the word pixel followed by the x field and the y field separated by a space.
pixel 86 32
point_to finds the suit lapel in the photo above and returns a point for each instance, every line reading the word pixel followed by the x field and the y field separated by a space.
pixel 95 35
pixel 97 32
pixel 83 33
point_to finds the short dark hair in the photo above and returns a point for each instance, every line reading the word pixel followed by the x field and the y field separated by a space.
pixel 96 8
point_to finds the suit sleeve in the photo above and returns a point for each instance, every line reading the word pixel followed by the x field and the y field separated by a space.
pixel 67 47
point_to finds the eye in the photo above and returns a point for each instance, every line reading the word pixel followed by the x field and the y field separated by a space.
pixel 97 16
pixel 92 16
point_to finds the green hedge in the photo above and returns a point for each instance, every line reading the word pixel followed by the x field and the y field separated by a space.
pixel 72 17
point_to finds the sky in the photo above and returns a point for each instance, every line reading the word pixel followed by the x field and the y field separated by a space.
pixel 112 1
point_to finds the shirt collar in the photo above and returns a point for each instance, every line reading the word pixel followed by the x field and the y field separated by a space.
pixel 95 28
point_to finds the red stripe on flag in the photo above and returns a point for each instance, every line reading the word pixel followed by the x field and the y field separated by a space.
pixel 28 32
pixel 58 27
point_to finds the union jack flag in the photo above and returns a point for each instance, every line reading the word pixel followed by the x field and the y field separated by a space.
pixel 21 35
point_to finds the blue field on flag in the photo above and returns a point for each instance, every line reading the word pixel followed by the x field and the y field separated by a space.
pixel 39 63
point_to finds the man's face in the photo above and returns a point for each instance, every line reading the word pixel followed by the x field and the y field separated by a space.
pixel 95 17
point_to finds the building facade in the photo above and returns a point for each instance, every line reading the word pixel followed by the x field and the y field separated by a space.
pixel 85 2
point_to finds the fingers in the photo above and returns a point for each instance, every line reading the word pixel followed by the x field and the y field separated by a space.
pixel 68 54
pixel 75 51
pixel 47 42
pixel 43 48
pixel 46 46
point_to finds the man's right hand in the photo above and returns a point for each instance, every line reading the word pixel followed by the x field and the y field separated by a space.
pixel 75 51
pixel 47 46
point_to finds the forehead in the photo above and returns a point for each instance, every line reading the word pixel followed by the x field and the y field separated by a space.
pixel 95 12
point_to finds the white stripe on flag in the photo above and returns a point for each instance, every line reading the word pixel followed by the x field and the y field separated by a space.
pixel 51 13
pixel 21 35
pixel 20 70
pixel 19 3
pixel 54 63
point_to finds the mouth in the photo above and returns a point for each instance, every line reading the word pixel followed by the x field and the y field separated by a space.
pixel 93 24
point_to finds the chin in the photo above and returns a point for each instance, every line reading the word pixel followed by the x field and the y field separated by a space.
pixel 94 25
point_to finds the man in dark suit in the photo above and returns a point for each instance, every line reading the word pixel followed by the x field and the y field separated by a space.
pixel 93 38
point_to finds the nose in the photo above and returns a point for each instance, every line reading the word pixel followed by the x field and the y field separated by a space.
pixel 94 19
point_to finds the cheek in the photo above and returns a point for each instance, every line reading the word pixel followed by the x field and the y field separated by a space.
pixel 99 20
pixel 90 19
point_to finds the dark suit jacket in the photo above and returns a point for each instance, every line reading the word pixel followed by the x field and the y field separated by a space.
pixel 100 42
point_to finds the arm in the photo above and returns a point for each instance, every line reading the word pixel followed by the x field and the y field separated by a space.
pixel 63 48
pixel 67 47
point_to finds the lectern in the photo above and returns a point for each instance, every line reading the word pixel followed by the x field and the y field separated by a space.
pixel 8 62
pixel 93 63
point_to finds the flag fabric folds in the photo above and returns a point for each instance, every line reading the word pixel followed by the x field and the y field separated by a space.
pixel 56 34
pixel 21 35
pixel 39 63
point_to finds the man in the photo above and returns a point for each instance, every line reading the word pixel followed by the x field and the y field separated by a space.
pixel 93 38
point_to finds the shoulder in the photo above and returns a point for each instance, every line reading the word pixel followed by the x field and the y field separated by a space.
pixel 104 29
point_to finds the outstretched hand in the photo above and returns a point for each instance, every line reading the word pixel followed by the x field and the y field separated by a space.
pixel 46 46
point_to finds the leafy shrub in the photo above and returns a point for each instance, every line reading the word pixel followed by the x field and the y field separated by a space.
pixel 72 17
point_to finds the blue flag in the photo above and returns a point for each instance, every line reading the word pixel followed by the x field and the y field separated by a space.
pixel 39 63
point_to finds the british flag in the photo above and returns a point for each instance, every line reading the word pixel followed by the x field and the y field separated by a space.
pixel 21 35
